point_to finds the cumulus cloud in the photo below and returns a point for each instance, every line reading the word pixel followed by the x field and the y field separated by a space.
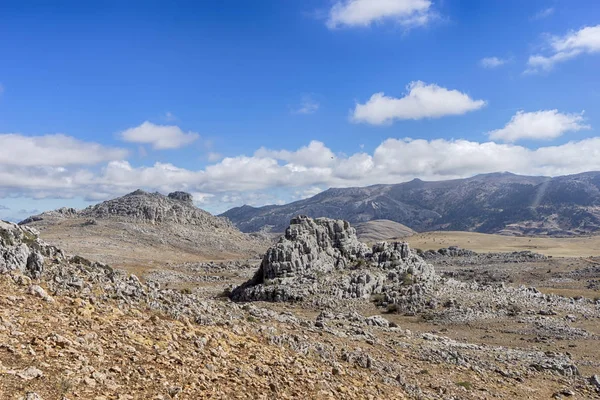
pixel 305 193
pixel 564 48
pixel 161 137
pixel 213 157
pixel 316 154
pixel 365 12
pixel 539 125
pixel 270 176
pixel 422 101
pixel 492 62
pixel 53 150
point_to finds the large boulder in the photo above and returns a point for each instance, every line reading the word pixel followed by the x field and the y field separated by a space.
pixel 322 258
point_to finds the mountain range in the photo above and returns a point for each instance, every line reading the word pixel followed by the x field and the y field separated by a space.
pixel 490 203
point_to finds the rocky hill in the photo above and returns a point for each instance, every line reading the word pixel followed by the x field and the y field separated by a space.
pixel 143 226
pixel 492 203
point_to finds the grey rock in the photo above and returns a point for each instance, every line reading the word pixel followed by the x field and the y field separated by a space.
pixel 38 291
pixel 181 196
pixel 35 265
pixel 322 258
pixel 31 396
pixel 30 373
pixel 377 320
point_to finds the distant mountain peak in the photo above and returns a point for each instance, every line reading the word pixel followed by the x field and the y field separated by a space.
pixel 498 202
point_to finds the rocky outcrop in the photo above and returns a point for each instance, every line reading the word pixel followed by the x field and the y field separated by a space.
pixel 140 206
pixel 21 250
pixel 321 259
pixel 154 208
pixel 181 196
pixel 160 228
pixel 460 256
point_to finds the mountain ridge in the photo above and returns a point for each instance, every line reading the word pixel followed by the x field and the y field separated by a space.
pixel 489 203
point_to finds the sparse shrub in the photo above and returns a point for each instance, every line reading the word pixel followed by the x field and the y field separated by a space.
pixel 466 385
pixel 393 308
pixel 64 386
pixel 186 291
pixel 423 372
pixel 428 316
pixel 408 279
pixel 226 293
pixel 250 318
pixel 361 263
pixel 378 298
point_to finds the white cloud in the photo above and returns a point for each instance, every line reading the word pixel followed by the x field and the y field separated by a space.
pixel 305 193
pixel 53 150
pixel 564 48
pixel 366 12
pixel 161 137
pixel 313 155
pixel 422 101
pixel 262 179
pixel 307 106
pixel 213 157
pixel 540 125
pixel 545 13
pixel 492 62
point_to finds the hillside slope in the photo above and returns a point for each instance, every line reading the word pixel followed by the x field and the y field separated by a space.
pixel 141 228
pixel 491 203
pixel 381 229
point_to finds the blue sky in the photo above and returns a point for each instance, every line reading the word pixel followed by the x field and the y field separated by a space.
pixel 271 101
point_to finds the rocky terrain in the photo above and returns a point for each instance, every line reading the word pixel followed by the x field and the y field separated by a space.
pixel 493 203
pixel 146 230
pixel 321 316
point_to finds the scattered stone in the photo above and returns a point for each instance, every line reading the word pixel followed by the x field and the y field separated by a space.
pixel 38 291
pixel 30 373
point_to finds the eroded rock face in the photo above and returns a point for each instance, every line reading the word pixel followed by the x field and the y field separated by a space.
pixel 321 259
pixel 312 244
pixel 181 196
pixel 154 208
pixel 19 249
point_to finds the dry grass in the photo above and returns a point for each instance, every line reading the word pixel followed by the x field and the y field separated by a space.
pixel 481 242
pixel 145 246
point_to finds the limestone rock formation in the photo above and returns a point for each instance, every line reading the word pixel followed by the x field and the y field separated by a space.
pixel 322 258
pixel 158 227
pixel 20 249
pixel 154 208
pixel 181 196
